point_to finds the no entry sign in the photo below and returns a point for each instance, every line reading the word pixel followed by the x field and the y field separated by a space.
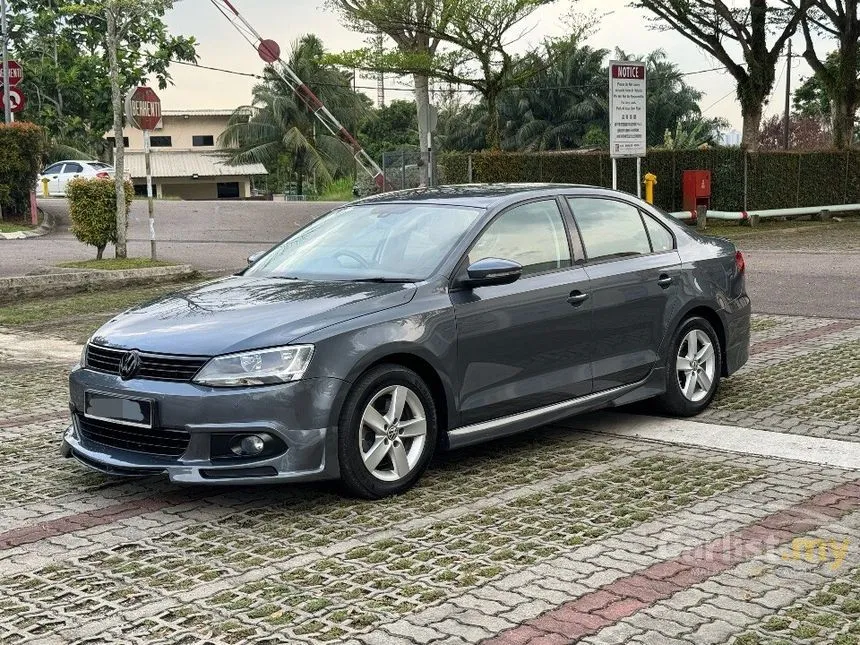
pixel 143 109
pixel 16 73
pixel 626 109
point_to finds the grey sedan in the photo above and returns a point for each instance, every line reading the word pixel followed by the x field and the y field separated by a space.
pixel 408 323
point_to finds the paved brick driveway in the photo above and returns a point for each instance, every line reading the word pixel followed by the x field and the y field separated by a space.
pixel 567 534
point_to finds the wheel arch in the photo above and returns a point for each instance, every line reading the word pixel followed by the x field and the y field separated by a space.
pixel 711 315
pixel 429 373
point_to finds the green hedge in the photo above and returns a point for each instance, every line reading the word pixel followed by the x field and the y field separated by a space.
pixel 774 179
pixel 22 146
pixel 92 209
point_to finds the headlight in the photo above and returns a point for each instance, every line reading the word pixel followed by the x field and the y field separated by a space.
pixel 83 360
pixel 260 367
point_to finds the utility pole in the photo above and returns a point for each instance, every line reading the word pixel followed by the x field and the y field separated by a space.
pixel 7 105
pixel 787 97
pixel 380 79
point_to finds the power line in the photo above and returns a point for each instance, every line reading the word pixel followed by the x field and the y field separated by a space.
pixel 722 98
pixel 390 88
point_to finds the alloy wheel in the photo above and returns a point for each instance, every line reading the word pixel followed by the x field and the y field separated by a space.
pixel 392 433
pixel 696 365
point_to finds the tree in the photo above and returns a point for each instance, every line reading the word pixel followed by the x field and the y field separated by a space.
pixel 394 126
pixel 280 131
pixel 480 31
pixel 695 133
pixel 838 75
pixel 86 54
pixel 415 27
pixel 478 38
pixel 66 75
pixel 805 132
pixel 564 103
pixel 564 99
pixel 811 97
pixel 718 28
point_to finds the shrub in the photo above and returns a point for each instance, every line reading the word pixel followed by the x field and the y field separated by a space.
pixel 775 179
pixel 22 148
pixel 92 208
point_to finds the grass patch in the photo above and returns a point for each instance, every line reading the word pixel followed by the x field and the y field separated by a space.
pixel 337 191
pixel 736 231
pixel 117 264
pixel 60 309
pixel 12 227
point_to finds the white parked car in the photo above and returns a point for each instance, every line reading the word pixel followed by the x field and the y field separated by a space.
pixel 62 172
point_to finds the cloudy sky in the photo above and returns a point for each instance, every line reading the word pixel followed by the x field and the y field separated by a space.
pixel 286 20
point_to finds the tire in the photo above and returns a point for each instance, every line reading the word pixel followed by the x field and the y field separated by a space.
pixel 379 458
pixel 684 398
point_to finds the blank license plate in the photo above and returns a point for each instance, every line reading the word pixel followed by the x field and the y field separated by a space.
pixel 132 412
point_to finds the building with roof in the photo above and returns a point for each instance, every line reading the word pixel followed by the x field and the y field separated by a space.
pixel 186 163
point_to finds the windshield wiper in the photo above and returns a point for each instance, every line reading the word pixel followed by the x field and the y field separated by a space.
pixel 383 280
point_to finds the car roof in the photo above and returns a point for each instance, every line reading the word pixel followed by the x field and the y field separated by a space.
pixel 476 195
pixel 87 161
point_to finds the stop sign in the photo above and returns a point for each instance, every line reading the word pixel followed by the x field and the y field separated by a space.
pixel 16 74
pixel 143 109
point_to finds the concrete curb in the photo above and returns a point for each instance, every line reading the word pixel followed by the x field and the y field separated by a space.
pixel 44 228
pixel 65 281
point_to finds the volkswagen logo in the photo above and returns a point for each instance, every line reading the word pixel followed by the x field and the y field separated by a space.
pixel 129 365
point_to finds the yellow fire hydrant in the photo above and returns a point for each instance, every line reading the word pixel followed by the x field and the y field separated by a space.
pixel 45 187
pixel 649 180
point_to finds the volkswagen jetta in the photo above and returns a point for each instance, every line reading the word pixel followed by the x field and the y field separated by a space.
pixel 411 322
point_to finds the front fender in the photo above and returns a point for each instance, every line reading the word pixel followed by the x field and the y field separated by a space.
pixel 351 348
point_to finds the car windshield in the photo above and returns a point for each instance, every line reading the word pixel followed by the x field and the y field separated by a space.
pixel 397 242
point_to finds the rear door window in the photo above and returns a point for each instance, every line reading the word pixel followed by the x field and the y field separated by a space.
pixel 609 229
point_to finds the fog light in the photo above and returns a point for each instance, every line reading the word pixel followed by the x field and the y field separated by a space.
pixel 247 446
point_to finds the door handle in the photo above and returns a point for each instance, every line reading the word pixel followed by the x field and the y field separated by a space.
pixel 577 298
pixel 664 280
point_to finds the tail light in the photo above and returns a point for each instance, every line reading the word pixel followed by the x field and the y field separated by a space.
pixel 102 175
pixel 740 263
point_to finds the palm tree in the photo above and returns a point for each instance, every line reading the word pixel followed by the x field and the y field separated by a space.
pixel 279 130
pixel 561 103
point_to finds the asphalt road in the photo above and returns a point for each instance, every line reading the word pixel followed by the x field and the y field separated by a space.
pixel 210 235
pixel 791 275
pixel 804 283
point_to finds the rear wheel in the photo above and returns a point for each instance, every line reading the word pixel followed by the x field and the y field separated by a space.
pixel 692 368
pixel 387 432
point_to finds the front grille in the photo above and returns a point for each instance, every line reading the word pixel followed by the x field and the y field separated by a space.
pixel 155 367
pixel 152 441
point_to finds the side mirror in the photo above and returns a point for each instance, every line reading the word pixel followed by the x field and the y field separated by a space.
pixel 255 256
pixel 492 271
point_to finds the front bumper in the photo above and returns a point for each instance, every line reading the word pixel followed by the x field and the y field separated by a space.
pixel 299 414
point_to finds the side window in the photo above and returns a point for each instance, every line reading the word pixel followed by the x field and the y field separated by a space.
pixel 661 239
pixel 532 234
pixel 609 228
pixel 72 168
pixel 53 170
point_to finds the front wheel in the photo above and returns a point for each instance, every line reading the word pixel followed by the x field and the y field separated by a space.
pixel 387 432
pixel 692 368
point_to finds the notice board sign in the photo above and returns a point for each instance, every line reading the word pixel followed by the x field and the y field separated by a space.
pixel 626 109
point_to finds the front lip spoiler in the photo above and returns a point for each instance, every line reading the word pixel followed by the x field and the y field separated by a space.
pixel 267 471
pixel 110 469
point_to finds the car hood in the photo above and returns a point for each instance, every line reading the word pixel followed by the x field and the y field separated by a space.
pixel 240 313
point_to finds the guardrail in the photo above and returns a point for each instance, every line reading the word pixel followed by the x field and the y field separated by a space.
pixel 772 212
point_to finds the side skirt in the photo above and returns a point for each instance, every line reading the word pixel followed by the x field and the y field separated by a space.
pixel 651 385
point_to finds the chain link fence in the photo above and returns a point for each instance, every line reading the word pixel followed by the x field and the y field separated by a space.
pixel 402 170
